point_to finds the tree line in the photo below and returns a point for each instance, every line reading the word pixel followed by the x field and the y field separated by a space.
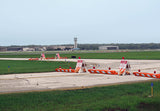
pixel 93 46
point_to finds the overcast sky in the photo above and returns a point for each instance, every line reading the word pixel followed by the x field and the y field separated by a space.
pixel 51 22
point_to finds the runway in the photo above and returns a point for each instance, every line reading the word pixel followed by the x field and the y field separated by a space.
pixel 64 81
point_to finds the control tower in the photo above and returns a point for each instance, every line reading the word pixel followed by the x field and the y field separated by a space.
pixel 75 43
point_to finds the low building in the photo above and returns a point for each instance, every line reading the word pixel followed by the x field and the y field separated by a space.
pixel 108 47
pixel 3 48
pixel 59 47
pixel 28 49
pixel 40 49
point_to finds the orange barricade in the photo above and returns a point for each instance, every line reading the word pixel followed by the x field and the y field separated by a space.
pixel 144 74
pixel 33 59
pixel 121 71
pixel 80 67
pixel 50 58
pixel 84 70
pixel 63 58
pixel 77 69
pixel 64 70
pixel 113 72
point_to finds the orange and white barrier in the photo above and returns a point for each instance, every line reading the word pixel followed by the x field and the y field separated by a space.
pixel 57 56
pixel 33 59
pixel 98 71
pixel 63 58
pixel 50 58
pixel 121 71
pixel 80 67
pixel 43 57
pixel 144 74
pixel 124 67
pixel 65 70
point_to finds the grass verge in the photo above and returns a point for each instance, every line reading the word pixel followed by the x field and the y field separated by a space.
pixel 126 97
pixel 11 67
pixel 152 55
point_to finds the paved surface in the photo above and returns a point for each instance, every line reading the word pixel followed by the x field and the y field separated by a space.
pixel 59 80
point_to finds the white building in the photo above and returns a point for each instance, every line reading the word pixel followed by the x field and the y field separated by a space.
pixel 28 49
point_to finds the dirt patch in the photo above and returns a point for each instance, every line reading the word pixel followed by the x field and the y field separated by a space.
pixel 149 106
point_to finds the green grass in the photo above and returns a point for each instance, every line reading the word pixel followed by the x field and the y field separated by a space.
pixel 118 55
pixel 153 55
pixel 31 66
pixel 128 97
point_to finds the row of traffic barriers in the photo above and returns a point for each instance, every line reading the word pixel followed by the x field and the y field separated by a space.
pixel 82 67
pixel 124 69
pixel 144 74
pixel 43 57
pixel 112 72
pixel 98 71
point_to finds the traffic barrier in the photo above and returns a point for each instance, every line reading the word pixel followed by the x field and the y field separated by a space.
pixel 42 57
pixel 121 71
pixel 98 71
pixel 68 70
pixel 77 69
pixel 50 58
pixel 33 59
pixel 84 70
pixel 124 68
pixel 65 70
pixel 63 58
pixel 80 67
pixel 59 57
pixel 144 74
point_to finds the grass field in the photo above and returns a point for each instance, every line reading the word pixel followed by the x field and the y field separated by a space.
pixel 153 55
pixel 39 66
pixel 128 97
pixel 119 55
pixel 31 66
